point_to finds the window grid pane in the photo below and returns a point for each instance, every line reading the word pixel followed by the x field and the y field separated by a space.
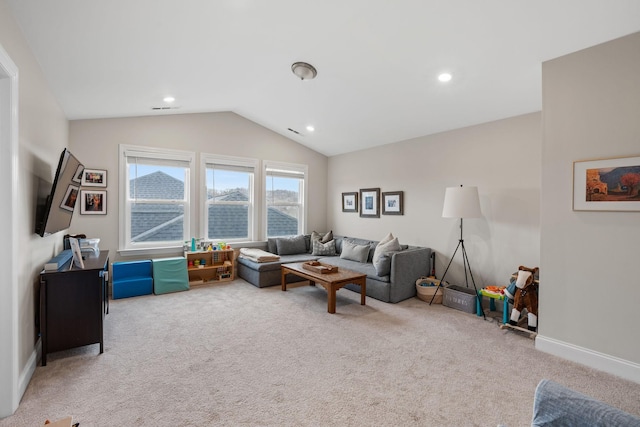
pixel 157 222
pixel 151 182
pixel 284 207
pixel 228 202
pixel 156 200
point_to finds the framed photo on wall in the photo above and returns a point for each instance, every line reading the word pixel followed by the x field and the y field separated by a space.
pixel 350 202
pixel 94 178
pixel 70 197
pixel 93 202
pixel 370 203
pixel 607 184
pixel 77 176
pixel 392 203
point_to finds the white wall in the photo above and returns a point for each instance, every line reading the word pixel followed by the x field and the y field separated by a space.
pixel 95 144
pixel 501 158
pixel 42 136
pixel 591 293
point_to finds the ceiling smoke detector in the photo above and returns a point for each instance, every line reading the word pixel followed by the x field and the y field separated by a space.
pixel 304 71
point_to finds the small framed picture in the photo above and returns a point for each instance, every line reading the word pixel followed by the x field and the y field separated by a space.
pixel 370 203
pixel 350 202
pixel 93 202
pixel 75 251
pixel 77 176
pixel 392 203
pixel 70 197
pixel 94 178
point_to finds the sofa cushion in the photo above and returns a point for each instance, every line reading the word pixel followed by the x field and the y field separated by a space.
pixel 360 267
pixel 291 245
pixel 354 252
pixel 272 245
pixel 382 254
pixel 323 249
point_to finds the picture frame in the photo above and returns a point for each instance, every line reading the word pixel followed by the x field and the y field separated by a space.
pixel 76 253
pixel 70 197
pixel 350 202
pixel 370 203
pixel 94 178
pixel 392 203
pixel 611 184
pixel 77 176
pixel 93 202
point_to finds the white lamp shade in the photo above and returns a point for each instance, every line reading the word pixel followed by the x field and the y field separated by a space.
pixel 461 202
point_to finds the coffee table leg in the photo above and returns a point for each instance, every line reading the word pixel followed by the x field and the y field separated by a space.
pixel 331 296
pixel 363 291
pixel 283 280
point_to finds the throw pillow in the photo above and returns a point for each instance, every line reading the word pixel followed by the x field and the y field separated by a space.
pixel 324 249
pixel 291 245
pixel 324 238
pixel 354 252
pixel 381 258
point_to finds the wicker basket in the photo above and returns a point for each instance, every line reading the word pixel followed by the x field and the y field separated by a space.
pixel 425 293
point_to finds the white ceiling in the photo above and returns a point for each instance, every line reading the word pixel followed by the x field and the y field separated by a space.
pixel 377 60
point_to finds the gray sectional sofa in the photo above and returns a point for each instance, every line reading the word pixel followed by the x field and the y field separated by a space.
pixel 404 265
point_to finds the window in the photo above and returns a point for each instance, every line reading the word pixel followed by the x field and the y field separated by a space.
pixel 155 197
pixel 228 197
pixel 285 198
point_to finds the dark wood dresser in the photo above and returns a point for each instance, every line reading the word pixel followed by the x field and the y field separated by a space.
pixel 73 303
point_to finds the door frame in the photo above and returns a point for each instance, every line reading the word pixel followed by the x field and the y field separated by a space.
pixel 10 392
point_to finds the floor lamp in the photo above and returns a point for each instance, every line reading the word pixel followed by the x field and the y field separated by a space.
pixel 461 202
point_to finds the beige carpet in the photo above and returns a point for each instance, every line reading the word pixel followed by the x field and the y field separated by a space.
pixel 235 355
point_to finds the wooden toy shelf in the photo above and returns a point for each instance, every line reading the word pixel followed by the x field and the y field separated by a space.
pixel 218 266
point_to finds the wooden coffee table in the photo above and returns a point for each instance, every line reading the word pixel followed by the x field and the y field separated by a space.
pixel 330 281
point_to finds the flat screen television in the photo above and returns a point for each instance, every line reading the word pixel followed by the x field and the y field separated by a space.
pixel 55 206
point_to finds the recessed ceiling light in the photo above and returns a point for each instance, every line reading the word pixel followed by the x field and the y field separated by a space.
pixel 444 77
pixel 169 99
pixel 310 128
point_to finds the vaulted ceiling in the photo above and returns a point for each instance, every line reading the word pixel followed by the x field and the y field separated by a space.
pixel 377 60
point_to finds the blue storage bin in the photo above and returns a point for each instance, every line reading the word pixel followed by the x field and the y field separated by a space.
pixel 131 278
pixel 170 275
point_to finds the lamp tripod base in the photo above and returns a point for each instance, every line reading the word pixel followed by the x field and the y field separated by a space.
pixel 467 272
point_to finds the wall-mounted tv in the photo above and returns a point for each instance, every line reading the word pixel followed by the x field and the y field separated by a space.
pixel 55 209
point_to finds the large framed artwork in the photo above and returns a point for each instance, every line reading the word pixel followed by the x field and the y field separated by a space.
pixel 392 203
pixel 607 184
pixel 370 203
pixel 350 202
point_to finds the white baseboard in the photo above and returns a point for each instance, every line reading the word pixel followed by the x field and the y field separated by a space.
pixel 29 369
pixel 593 359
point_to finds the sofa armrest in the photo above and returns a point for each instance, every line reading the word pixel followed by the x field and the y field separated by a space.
pixel 556 405
pixel 406 267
